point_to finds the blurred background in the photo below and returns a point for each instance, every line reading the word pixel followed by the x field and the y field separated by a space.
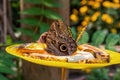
pixel 24 21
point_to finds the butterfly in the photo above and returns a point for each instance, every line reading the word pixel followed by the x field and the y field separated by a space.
pixel 57 44
pixel 59 40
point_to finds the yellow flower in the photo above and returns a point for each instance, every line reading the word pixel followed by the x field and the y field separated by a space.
pixel 84 23
pixel 95 16
pixel 107 4
pixel 104 17
pixel 118 25
pixel 87 18
pixel 83 2
pixel 83 9
pixel 109 20
pixel 79 28
pixel 91 3
pixel 74 17
pixel 96 5
pixel 113 30
pixel 116 1
pixel 116 5
pixel 75 11
pixel 99 1
pixel 97 13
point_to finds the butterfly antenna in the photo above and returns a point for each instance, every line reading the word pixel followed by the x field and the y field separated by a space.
pixel 69 31
pixel 82 30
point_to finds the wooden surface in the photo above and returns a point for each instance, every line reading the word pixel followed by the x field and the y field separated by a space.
pixel 38 72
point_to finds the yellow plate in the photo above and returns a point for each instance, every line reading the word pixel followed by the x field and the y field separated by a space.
pixel 114 59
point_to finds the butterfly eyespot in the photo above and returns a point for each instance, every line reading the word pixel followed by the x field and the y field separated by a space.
pixel 53 41
pixel 63 47
pixel 59 42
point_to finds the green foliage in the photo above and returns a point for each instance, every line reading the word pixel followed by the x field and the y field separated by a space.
pixel 34 1
pixel 73 30
pixel 3 77
pixel 111 40
pixel 27 31
pixel 97 15
pixel 84 39
pixel 117 74
pixel 43 12
pixel 6 65
pixel 51 15
pixel 47 3
pixel 42 30
pixel 36 23
pixel 30 21
pixel 119 39
pixel 9 40
pixel 98 38
pixel 33 11
pixel 5 69
pixel 98 74
pixel 51 3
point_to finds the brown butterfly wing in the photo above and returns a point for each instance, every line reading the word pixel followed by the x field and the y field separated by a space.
pixel 59 40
